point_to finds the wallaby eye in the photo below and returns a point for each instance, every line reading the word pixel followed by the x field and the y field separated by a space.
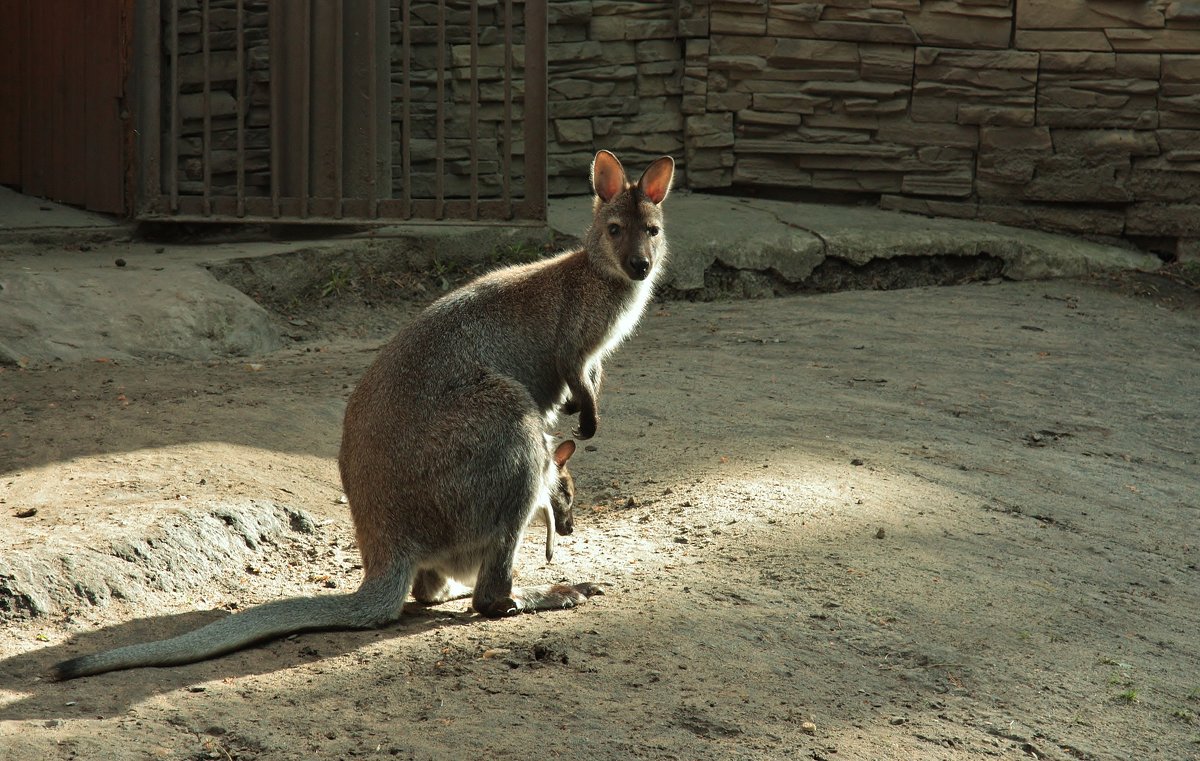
pixel 653 230
pixel 614 229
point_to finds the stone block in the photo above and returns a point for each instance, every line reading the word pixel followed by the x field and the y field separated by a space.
pixel 906 132
pixel 956 183
pixel 1072 179
pixel 974 87
pixel 712 178
pixel 727 101
pixel 592 107
pixel 770 171
pixel 796 11
pixel 573 130
pixel 874 15
pixel 739 64
pixel 649 51
pixel 1034 39
pixel 798 103
pixel 961 25
pixel 569 12
pixel 1162 40
pixel 886 63
pixel 716 126
pixel 843 30
pixel 930 207
pixel 693 104
pixel 708 159
pixel 1123 65
pixel 1087 142
pixel 1068 219
pixel 1089 14
pixel 748 117
pixel 1019 139
pixel 856 181
pixel 1148 218
pixel 722 22
pixel 808 52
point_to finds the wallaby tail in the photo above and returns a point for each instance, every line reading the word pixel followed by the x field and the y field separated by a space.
pixel 377 602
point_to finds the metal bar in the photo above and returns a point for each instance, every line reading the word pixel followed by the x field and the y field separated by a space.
pixel 373 113
pixel 339 108
pixel 173 137
pixel 305 109
pixel 506 159
pixel 241 108
pixel 275 82
pixel 207 135
pixel 439 179
pixel 473 127
pixel 535 107
pixel 406 109
pixel 149 120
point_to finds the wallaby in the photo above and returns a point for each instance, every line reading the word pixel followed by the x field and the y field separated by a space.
pixel 443 455
pixel 559 512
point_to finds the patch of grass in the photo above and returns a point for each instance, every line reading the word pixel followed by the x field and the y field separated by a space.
pixel 339 281
pixel 1194 694
pixel 1119 678
pixel 1183 714
pixel 1129 696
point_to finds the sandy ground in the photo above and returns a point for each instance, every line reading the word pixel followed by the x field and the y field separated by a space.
pixel 940 523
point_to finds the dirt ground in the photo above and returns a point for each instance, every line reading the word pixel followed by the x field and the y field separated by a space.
pixel 934 523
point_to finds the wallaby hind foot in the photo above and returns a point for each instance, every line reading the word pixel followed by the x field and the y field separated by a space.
pixel 531 599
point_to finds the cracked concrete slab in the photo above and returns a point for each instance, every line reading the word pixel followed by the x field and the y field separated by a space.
pixel 74 302
pixel 792 239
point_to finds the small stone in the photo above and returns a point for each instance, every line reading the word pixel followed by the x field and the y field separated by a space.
pixel 808 728
pixel 880 534
pixel 120 262
pixel 856 461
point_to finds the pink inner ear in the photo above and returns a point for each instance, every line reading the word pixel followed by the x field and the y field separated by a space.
pixel 608 176
pixel 656 181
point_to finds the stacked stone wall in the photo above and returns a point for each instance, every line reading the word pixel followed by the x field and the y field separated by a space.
pixel 1072 115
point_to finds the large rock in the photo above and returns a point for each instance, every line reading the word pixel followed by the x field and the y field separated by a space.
pixel 129 312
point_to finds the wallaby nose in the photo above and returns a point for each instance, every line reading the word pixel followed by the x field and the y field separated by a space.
pixel 639 267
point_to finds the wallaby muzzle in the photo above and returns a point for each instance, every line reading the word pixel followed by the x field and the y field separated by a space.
pixel 639 267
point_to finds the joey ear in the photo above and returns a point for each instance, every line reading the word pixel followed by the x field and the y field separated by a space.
pixel 656 180
pixel 563 452
pixel 608 176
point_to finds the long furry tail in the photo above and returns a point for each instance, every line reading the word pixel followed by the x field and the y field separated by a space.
pixel 377 602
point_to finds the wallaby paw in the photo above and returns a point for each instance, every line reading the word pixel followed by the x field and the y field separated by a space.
pixel 505 606
pixel 586 429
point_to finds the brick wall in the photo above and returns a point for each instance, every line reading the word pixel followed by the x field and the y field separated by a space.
pixel 1073 115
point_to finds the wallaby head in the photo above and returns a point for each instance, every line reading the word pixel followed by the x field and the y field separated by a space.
pixel 562 497
pixel 625 238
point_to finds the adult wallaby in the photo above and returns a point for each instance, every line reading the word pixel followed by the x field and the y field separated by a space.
pixel 444 457
pixel 559 513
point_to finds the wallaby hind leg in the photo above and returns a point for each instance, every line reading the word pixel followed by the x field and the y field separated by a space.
pixel 496 596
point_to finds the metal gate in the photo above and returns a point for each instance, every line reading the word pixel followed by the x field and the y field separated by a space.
pixel 324 110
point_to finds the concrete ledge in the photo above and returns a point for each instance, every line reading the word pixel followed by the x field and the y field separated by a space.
pixel 793 239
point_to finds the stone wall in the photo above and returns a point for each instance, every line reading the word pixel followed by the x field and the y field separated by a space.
pixel 1074 115
pixel 222 97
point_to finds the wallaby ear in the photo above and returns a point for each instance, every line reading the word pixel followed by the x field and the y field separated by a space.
pixel 656 180
pixel 608 176
pixel 563 452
